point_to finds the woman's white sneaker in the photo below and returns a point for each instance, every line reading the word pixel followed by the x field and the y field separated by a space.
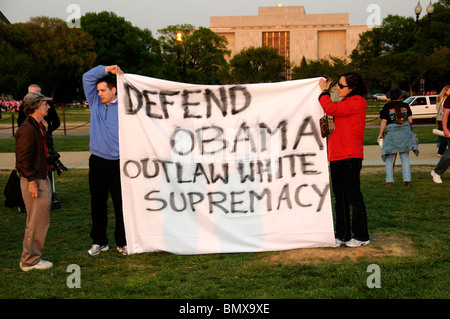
pixel 339 242
pixel 356 243
pixel 123 250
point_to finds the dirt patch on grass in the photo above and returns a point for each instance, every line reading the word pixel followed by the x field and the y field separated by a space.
pixel 381 246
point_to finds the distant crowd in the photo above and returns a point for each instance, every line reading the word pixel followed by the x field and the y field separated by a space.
pixel 10 105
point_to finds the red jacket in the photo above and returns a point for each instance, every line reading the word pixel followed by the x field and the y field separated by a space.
pixel 349 117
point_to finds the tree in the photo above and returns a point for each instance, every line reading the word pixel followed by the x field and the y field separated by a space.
pixel 117 41
pixel 206 51
pixel 258 65
pixel 197 57
pixel 330 68
pixel 439 70
pixel 390 55
pixel 43 51
pixel 384 55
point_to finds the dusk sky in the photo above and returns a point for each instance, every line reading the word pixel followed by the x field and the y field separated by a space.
pixel 155 15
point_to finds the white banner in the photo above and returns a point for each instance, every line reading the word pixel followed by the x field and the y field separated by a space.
pixel 221 169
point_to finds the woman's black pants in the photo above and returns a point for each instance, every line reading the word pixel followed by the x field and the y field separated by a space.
pixel 345 179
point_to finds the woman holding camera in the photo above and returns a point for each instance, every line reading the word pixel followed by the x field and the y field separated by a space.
pixel 345 153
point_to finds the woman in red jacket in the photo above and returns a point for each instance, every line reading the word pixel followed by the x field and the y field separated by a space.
pixel 345 153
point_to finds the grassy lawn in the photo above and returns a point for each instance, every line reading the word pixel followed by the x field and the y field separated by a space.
pixel 409 229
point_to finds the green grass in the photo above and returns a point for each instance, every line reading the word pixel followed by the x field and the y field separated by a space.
pixel 418 215
pixel 62 143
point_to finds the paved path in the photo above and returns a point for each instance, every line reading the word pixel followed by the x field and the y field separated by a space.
pixel 372 157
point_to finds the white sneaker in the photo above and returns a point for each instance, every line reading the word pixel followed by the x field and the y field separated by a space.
pixel 123 250
pixel 339 242
pixel 436 178
pixel 41 265
pixel 97 249
pixel 356 243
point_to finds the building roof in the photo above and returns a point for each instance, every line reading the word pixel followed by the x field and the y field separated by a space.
pixel 4 19
pixel 291 16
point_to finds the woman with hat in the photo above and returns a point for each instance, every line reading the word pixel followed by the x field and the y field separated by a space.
pixel 396 118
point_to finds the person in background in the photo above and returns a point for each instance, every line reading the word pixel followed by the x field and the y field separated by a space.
pixel 345 154
pixel 396 118
pixel 444 162
pixel 104 163
pixel 51 121
pixel 442 141
pixel 31 162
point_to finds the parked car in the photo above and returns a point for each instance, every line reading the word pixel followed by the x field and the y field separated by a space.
pixel 380 96
pixel 371 97
pixel 422 106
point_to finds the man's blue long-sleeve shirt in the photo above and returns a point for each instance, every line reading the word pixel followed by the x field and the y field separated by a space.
pixel 104 126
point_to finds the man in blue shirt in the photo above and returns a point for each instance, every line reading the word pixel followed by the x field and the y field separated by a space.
pixel 104 164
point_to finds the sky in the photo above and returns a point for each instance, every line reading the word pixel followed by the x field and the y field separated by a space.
pixel 155 15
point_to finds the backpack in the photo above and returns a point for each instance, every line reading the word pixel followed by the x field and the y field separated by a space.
pixel 13 193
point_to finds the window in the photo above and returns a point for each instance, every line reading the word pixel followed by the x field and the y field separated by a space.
pixel 279 41
pixel 419 101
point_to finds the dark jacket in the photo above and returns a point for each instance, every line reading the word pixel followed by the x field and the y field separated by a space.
pixel 31 154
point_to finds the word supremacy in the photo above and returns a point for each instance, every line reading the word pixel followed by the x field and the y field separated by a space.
pixel 236 150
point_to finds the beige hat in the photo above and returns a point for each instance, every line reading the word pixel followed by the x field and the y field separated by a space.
pixel 33 97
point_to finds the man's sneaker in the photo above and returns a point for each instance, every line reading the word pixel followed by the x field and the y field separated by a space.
pixel 436 178
pixel 339 242
pixel 41 265
pixel 123 250
pixel 356 243
pixel 96 249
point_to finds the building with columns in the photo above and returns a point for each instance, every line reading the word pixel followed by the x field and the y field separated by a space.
pixel 290 30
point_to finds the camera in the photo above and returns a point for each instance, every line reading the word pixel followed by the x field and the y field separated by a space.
pixel 55 162
pixel 53 156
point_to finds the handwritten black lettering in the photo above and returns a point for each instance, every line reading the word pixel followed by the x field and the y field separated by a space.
pixel 242 201
pixel 134 99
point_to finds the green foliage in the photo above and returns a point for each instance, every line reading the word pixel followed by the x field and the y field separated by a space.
pixel 117 41
pixel 390 55
pixel 329 68
pixel 198 58
pixel 258 65
pixel 43 51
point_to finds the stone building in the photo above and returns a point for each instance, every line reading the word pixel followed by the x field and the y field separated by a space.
pixel 293 32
